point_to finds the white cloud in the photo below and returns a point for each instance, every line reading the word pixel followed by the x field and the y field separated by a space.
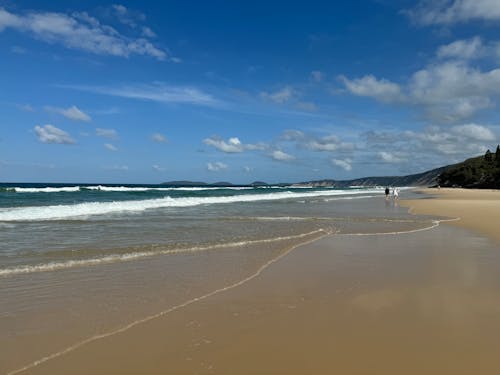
pixel 328 143
pixel 158 168
pixel 448 90
pixel 106 133
pixel 453 90
pixel 462 49
pixel 247 169
pixel 474 132
pixel 72 113
pixel 78 31
pixel 51 134
pixel 280 96
pixel 146 31
pixel 292 135
pixel 110 147
pixel 447 12
pixel 344 164
pixel 158 92
pixel 389 157
pixel 216 167
pixel 158 137
pixel 379 89
pixel 232 145
pixel 281 156
pixel 127 16
pixel 437 144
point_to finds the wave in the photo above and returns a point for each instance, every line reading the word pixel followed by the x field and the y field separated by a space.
pixel 79 210
pixel 45 189
pixel 72 189
pixel 114 258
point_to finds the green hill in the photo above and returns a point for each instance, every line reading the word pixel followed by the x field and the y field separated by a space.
pixel 481 172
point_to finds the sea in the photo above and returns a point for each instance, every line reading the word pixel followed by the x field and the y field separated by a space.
pixel 79 261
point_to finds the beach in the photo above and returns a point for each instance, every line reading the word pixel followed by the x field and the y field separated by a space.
pixel 478 210
pixel 384 292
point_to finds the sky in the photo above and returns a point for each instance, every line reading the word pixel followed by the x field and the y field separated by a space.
pixel 243 91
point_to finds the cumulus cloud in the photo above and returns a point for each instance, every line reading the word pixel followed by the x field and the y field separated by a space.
pixel 280 96
pixel 78 31
pixel 389 157
pixel 216 167
pixel 380 89
pixel 328 143
pixel 281 156
pixel 106 133
pixel 344 164
pixel 50 134
pixel 453 90
pixel 449 90
pixel 444 144
pixel 72 113
pixel 462 49
pixel 110 147
pixel 447 12
pixel 158 137
pixel 474 132
pixel 232 145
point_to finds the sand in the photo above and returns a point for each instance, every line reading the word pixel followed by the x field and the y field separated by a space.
pixel 478 210
pixel 416 303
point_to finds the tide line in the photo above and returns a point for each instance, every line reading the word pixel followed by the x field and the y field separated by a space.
pixel 114 258
pixel 164 312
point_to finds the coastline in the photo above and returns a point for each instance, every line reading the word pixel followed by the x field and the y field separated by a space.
pixel 413 303
pixel 478 209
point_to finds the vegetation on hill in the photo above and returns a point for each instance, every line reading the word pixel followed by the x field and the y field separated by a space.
pixel 480 172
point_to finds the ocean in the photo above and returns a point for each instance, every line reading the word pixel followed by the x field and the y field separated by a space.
pixel 79 260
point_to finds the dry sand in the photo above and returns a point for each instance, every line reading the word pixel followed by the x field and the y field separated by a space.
pixel 478 210
pixel 416 303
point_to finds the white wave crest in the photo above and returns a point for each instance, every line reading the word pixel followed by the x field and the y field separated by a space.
pixel 46 189
pixel 120 188
pixel 79 210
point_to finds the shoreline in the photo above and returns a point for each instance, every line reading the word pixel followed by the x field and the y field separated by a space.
pixel 478 209
pixel 377 303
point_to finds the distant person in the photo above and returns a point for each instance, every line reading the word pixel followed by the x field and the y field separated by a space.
pixel 387 193
pixel 396 193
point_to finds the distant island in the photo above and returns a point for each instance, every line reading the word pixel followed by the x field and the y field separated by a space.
pixel 481 172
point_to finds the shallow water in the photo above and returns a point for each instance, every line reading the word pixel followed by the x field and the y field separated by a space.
pixel 64 279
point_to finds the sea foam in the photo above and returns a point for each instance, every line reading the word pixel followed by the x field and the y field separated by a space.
pixel 81 210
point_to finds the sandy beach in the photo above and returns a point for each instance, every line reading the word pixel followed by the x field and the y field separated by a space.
pixel 422 302
pixel 478 210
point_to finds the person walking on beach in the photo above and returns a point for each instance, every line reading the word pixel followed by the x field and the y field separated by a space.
pixel 386 193
pixel 395 193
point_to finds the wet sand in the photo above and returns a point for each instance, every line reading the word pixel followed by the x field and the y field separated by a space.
pixel 478 210
pixel 425 302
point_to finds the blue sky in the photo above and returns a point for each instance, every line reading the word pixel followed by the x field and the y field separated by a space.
pixel 146 92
